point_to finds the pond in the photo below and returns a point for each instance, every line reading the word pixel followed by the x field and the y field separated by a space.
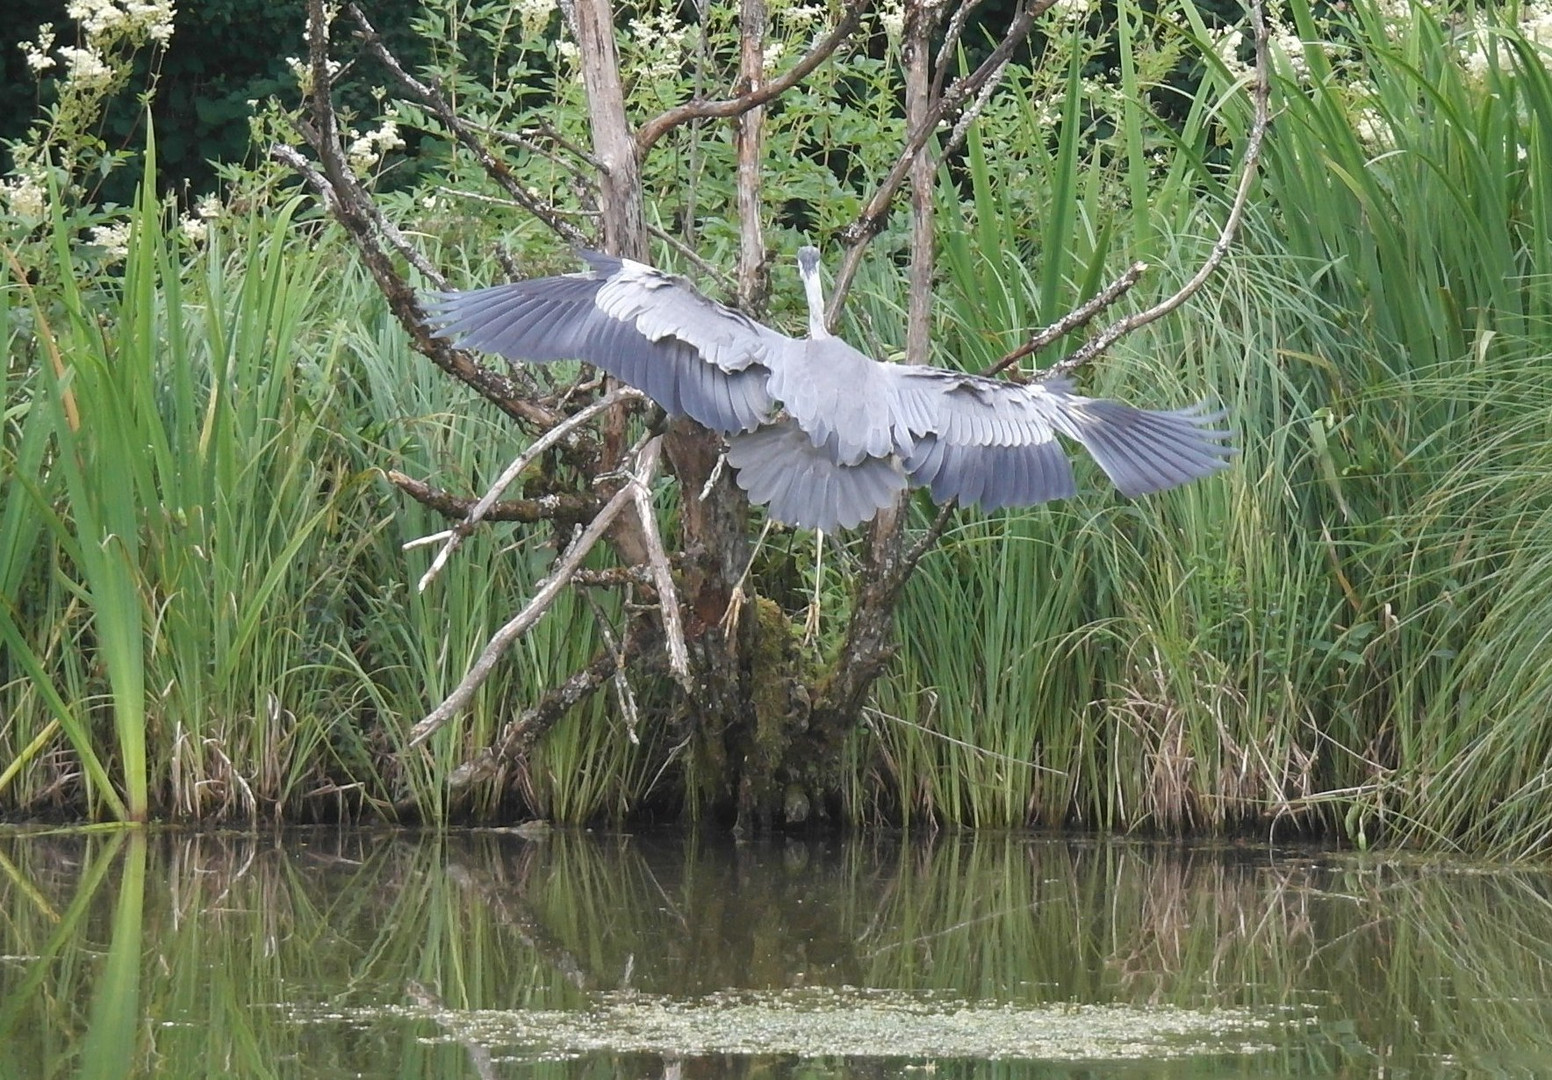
pixel 495 954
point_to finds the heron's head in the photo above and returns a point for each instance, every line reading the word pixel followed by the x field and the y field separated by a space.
pixel 808 261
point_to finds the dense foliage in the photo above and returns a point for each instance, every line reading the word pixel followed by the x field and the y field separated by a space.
pixel 207 613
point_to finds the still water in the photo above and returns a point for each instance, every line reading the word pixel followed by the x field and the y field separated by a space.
pixel 489 954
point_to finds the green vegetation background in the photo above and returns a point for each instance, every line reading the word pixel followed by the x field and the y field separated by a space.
pixel 207 613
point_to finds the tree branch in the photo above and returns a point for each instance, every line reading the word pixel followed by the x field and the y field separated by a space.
pixel 1079 317
pixel 464 132
pixel 515 469
pixel 518 737
pixel 565 509
pixel 860 232
pixel 1220 249
pixel 352 207
pixel 664 122
pixel 544 596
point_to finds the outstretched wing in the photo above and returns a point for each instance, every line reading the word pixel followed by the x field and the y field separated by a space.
pixel 994 443
pixel 655 332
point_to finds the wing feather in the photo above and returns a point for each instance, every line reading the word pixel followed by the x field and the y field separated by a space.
pixel 803 484
pixel 710 369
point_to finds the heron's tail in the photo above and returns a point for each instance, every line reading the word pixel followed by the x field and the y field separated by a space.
pixel 779 465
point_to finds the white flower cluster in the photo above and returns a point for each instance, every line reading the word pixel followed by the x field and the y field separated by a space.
pixel 891 16
pixel 535 14
pixel 1227 43
pixel 802 16
pixel 1069 10
pixel 1482 42
pixel 126 18
pixel 37 52
pixel 1372 127
pixel 1287 46
pixel 366 150
pixel 106 27
pixel 661 42
pixel 196 226
pixel 302 71
pixel 113 238
pixel 85 66
pixel 24 197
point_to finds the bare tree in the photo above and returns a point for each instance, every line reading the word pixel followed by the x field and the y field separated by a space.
pixel 743 698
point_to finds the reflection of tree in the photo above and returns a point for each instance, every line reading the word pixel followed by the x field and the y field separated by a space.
pixel 233 934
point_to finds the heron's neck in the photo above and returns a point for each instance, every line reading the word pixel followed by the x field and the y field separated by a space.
pixel 816 315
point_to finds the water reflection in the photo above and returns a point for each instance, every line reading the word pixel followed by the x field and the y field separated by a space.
pixel 369 953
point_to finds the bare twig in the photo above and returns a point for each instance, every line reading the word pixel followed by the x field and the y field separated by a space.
pixel 660 125
pixel 657 560
pixel 556 136
pixel 1079 317
pixel 860 232
pixel 925 542
pixel 622 686
pixel 1220 249
pixel 543 597
pixel 567 509
pixel 942 63
pixel 524 731
pixel 515 469
pixel 464 132
pixel 369 210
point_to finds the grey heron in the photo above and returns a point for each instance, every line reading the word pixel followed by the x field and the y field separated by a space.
pixel 820 433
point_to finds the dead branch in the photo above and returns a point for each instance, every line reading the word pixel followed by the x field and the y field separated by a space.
pixel 463 131
pixel 515 469
pixel 350 205
pixel 519 736
pixel 612 577
pixel 660 125
pixel 956 27
pixel 565 509
pixel 662 576
pixel 1220 249
pixel 860 232
pixel 543 597
pixel 624 695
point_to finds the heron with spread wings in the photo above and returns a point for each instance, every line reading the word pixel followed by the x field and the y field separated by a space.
pixel 820 433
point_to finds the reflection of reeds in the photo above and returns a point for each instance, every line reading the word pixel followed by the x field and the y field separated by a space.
pixel 1423 958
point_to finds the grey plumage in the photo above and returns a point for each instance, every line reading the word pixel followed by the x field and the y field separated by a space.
pixel 855 432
